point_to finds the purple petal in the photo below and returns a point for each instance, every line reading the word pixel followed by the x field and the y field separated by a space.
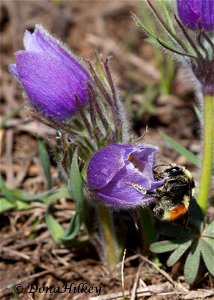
pixel 119 193
pixel 55 48
pixel 143 158
pixel 104 165
pixel 13 69
pixel 115 202
pixel 49 84
pixel 208 14
pixel 30 42
pixel 112 170
pixel 158 183
pixel 193 11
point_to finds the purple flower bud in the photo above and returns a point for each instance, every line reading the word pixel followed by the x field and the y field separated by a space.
pixel 192 12
pixel 50 75
pixel 112 170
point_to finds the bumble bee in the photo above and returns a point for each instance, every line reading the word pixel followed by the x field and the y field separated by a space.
pixel 174 196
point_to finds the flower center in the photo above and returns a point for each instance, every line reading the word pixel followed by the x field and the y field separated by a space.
pixel 134 161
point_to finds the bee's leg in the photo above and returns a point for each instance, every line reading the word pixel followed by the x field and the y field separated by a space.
pixel 159 211
pixel 158 175
pixel 162 165
pixel 141 189
pixel 151 193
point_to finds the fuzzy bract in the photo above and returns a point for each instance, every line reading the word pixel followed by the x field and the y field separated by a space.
pixel 112 170
pixel 50 75
pixel 191 12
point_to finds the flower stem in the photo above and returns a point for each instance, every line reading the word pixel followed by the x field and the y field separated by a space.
pixel 146 224
pixel 110 245
pixel 207 156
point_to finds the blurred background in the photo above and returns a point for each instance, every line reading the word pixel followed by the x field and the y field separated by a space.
pixel 155 92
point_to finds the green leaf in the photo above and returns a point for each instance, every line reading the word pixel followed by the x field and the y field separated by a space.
pixel 6 192
pixel 165 246
pixel 54 227
pixel 208 235
pixel 146 29
pixel 209 240
pixel 167 14
pixel 174 257
pixel 45 161
pixel 24 196
pixel 84 171
pixel 58 194
pixel 207 252
pixel 158 39
pixel 76 188
pixel 73 228
pixel 172 49
pixel 180 149
pixel 76 181
pixel 21 205
pixel 198 114
pixel 45 197
pixel 5 205
pixel 192 264
pixel 101 73
pixel 209 230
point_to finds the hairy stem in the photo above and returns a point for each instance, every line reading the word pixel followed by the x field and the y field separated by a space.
pixel 109 241
pixel 207 156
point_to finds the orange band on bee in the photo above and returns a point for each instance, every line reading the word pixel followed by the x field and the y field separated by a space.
pixel 177 212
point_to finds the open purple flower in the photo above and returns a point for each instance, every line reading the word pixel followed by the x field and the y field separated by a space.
pixel 191 12
pixel 112 169
pixel 50 75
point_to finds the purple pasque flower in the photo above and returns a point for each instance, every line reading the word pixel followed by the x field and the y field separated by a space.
pixel 50 75
pixel 112 169
pixel 191 12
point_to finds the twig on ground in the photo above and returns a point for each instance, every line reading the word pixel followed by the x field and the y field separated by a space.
pixel 134 289
pixel 122 273
pixel 199 294
pixel 8 287
pixel 165 274
pixel 142 291
pixel 6 251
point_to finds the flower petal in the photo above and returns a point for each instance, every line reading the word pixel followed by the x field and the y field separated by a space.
pixel 13 69
pixel 208 14
pixel 30 42
pixel 157 183
pixel 49 84
pixel 55 48
pixel 104 165
pixel 119 192
pixel 143 158
pixel 193 11
pixel 113 171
